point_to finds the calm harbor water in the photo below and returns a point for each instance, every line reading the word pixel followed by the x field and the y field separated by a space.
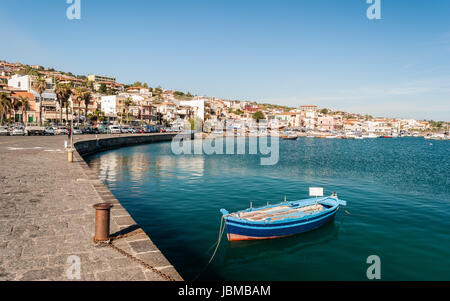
pixel 398 193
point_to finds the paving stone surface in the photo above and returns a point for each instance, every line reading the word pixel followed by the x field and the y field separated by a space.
pixel 46 216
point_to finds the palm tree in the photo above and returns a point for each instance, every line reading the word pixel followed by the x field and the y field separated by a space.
pixel 63 92
pixel 78 98
pixel 90 85
pixel 97 115
pixel 40 86
pixel 87 96
pixel 25 107
pixel 5 105
pixel 16 105
pixel 127 104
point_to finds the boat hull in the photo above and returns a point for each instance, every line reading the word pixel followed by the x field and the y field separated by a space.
pixel 237 231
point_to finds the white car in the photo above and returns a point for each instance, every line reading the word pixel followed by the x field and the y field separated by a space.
pixel 49 131
pixel 61 131
pixel 17 132
pixel 126 129
pixel 4 131
pixel 77 131
pixel 115 129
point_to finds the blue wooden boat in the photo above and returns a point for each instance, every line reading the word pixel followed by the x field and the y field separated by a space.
pixel 281 220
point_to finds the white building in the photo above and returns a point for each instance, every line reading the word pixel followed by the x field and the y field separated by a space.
pixel 310 116
pixel 198 106
pixel 20 82
pixel 109 105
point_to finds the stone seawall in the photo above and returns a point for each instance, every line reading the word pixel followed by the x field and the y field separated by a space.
pixel 139 246
pixel 90 147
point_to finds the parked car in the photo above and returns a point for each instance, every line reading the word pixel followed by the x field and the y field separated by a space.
pixel 95 131
pixel 4 131
pixel 49 131
pixel 150 129
pixel 35 130
pixel 126 129
pixel 77 131
pixel 61 130
pixel 87 130
pixel 17 132
pixel 115 129
pixel 102 129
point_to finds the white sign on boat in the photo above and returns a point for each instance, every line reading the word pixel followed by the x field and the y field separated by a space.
pixel 316 191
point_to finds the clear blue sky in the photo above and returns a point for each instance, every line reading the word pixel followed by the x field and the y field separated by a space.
pixel 323 52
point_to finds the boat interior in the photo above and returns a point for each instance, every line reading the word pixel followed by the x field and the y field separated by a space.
pixel 280 212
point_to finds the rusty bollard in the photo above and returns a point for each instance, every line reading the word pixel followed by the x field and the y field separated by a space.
pixel 102 213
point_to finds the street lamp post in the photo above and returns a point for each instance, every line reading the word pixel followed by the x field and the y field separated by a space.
pixel 70 151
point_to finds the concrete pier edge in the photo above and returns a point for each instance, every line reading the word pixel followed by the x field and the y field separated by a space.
pixel 119 215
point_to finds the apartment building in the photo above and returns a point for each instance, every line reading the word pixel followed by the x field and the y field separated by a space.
pixel 310 116
pixel 101 78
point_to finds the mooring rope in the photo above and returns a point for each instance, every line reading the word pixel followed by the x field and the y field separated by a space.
pixel 217 244
pixel 221 230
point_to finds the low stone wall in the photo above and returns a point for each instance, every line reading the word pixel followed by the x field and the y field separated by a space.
pixel 89 147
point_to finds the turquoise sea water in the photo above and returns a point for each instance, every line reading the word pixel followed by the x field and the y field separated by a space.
pixel 398 193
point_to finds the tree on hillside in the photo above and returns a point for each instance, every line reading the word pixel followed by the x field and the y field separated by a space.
pixel 258 116
pixel 102 89
pixel 238 112
pixel 28 71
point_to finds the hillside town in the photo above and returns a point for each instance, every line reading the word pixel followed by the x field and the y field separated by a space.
pixel 39 96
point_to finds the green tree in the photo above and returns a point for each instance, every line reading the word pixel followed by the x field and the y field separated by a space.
pixel 128 102
pixel 40 85
pixel 78 97
pixel 87 99
pixel 5 105
pixel 25 105
pixel 102 89
pixel 258 116
pixel 63 92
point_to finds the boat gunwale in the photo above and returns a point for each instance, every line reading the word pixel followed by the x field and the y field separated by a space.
pixel 308 217
pixel 273 226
